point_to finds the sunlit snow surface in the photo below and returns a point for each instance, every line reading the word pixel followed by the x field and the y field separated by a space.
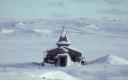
pixel 24 41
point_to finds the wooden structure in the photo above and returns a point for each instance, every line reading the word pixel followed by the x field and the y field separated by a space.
pixel 60 56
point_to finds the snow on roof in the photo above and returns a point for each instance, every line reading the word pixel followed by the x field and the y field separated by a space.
pixel 73 49
pixel 45 52
pixel 64 54
pixel 63 42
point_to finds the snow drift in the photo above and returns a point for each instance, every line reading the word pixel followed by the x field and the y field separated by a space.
pixel 6 31
pixel 21 65
pixel 57 75
pixel 111 60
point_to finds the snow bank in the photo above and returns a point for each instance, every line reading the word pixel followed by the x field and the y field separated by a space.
pixel 25 31
pixel 92 27
pixel 21 65
pixel 110 59
pixel 47 31
pixel 57 75
pixel 6 31
pixel 20 25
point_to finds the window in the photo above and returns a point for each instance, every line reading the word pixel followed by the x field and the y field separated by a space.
pixel 73 58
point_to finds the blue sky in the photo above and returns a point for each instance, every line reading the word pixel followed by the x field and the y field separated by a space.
pixel 38 9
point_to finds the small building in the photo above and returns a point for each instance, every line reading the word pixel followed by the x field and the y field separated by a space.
pixel 63 54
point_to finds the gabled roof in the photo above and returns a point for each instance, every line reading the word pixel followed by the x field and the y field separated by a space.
pixel 58 50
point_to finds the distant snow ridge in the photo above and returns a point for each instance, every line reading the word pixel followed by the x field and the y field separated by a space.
pixel 44 31
pixel 24 31
pixel 6 31
pixel 92 27
pixel 111 60
pixel 20 25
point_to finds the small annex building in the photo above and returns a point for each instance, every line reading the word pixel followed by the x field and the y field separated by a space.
pixel 63 54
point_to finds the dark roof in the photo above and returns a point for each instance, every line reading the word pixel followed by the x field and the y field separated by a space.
pixel 60 51
pixel 64 38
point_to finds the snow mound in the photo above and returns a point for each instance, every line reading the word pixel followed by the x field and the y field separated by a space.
pixel 92 27
pixel 44 31
pixel 6 31
pixel 20 25
pixel 57 75
pixel 111 60
pixel 21 65
pixel 25 32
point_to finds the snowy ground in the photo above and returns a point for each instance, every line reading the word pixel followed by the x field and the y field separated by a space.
pixel 23 42
pixel 89 72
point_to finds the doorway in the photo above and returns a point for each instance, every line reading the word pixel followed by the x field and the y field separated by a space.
pixel 63 61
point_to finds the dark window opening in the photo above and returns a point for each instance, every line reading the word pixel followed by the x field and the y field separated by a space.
pixel 63 61
pixel 51 57
pixel 73 58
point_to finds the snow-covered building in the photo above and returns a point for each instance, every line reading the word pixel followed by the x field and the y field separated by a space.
pixel 63 55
